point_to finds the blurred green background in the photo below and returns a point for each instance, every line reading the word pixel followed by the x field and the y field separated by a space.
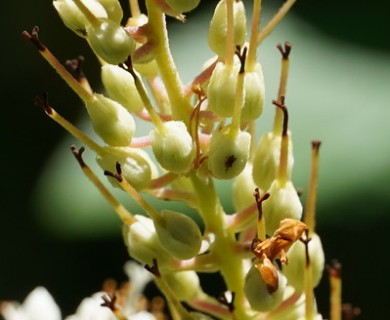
pixel 338 91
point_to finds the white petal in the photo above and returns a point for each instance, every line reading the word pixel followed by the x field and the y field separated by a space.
pixel 40 305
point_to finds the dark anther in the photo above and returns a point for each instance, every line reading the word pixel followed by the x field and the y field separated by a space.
pixel 78 155
pixel 286 50
pixel 350 312
pixel 334 269
pixel 33 37
pixel 306 241
pixel 230 304
pixel 259 201
pixel 109 301
pixel 241 54
pixel 75 65
pixel 315 144
pixel 285 113
pixel 117 175
pixel 43 102
pixel 153 269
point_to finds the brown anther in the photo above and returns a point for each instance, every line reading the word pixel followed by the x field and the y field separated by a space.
pixel 33 37
pixel 78 155
pixel 350 312
pixel 259 201
pixel 117 175
pixel 334 269
pixel 306 241
pixel 43 102
pixel 285 51
pixel 153 269
pixel 241 54
pixel 224 301
pixel 109 301
pixel 282 106
pixel 75 65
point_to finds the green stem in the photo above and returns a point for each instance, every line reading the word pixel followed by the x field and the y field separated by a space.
pixel 158 34
pixel 231 265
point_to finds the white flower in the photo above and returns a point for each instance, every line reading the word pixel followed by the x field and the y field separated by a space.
pixel 38 305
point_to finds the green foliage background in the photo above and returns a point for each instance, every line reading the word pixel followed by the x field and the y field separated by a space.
pixel 57 232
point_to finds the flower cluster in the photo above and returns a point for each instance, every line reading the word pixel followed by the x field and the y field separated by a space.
pixel 268 251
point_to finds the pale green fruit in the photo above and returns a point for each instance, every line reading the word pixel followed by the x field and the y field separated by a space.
pixel 144 245
pixel 173 147
pixel 73 18
pixel 228 155
pixel 179 234
pixel 295 268
pixel 111 121
pixel 184 284
pixel 110 41
pixel 254 94
pixel 120 86
pixel 218 27
pixel 113 9
pixel 183 5
pixel 283 203
pixel 256 291
pixel 243 188
pixel 221 91
pixel 267 158
pixel 137 167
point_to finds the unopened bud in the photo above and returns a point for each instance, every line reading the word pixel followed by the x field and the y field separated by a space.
pixel 283 203
pixel 218 27
pixel 296 255
pixel 221 90
pixel 173 146
pixel 228 154
pixel 183 5
pixel 137 168
pixel 110 41
pixel 111 121
pixel 267 158
pixel 73 18
pixel 179 234
pixel 243 188
pixel 120 86
pixel 258 292
pixel 184 284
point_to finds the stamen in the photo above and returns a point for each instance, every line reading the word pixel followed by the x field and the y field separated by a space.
pixel 334 272
pixel 75 65
pixel 256 15
pixel 308 281
pixel 260 219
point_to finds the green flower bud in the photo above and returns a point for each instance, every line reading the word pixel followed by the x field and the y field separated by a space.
pixel 110 41
pixel 143 244
pixel 113 9
pixel 295 269
pixel 178 234
pixel 120 86
pixel 254 94
pixel 173 147
pixel 149 69
pixel 282 203
pixel 183 5
pixel 184 284
pixel 218 27
pixel 259 296
pixel 266 160
pixel 221 90
pixel 73 18
pixel 228 154
pixel 137 168
pixel 243 188
pixel 111 121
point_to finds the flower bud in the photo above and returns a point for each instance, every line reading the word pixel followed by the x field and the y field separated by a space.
pixel 243 188
pixel 228 154
pixel 257 291
pixel 183 5
pixel 254 94
pixel 267 158
pixel 120 86
pixel 173 146
pixel 110 41
pixel 111 121
pixel 221 90
pixel 137 168
pixel 184 284
pixel 113 9
pixel 73 18
pixel 178 234
pixel 295 269
pixel 143 244
pixel 218 27
pixel 282 203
